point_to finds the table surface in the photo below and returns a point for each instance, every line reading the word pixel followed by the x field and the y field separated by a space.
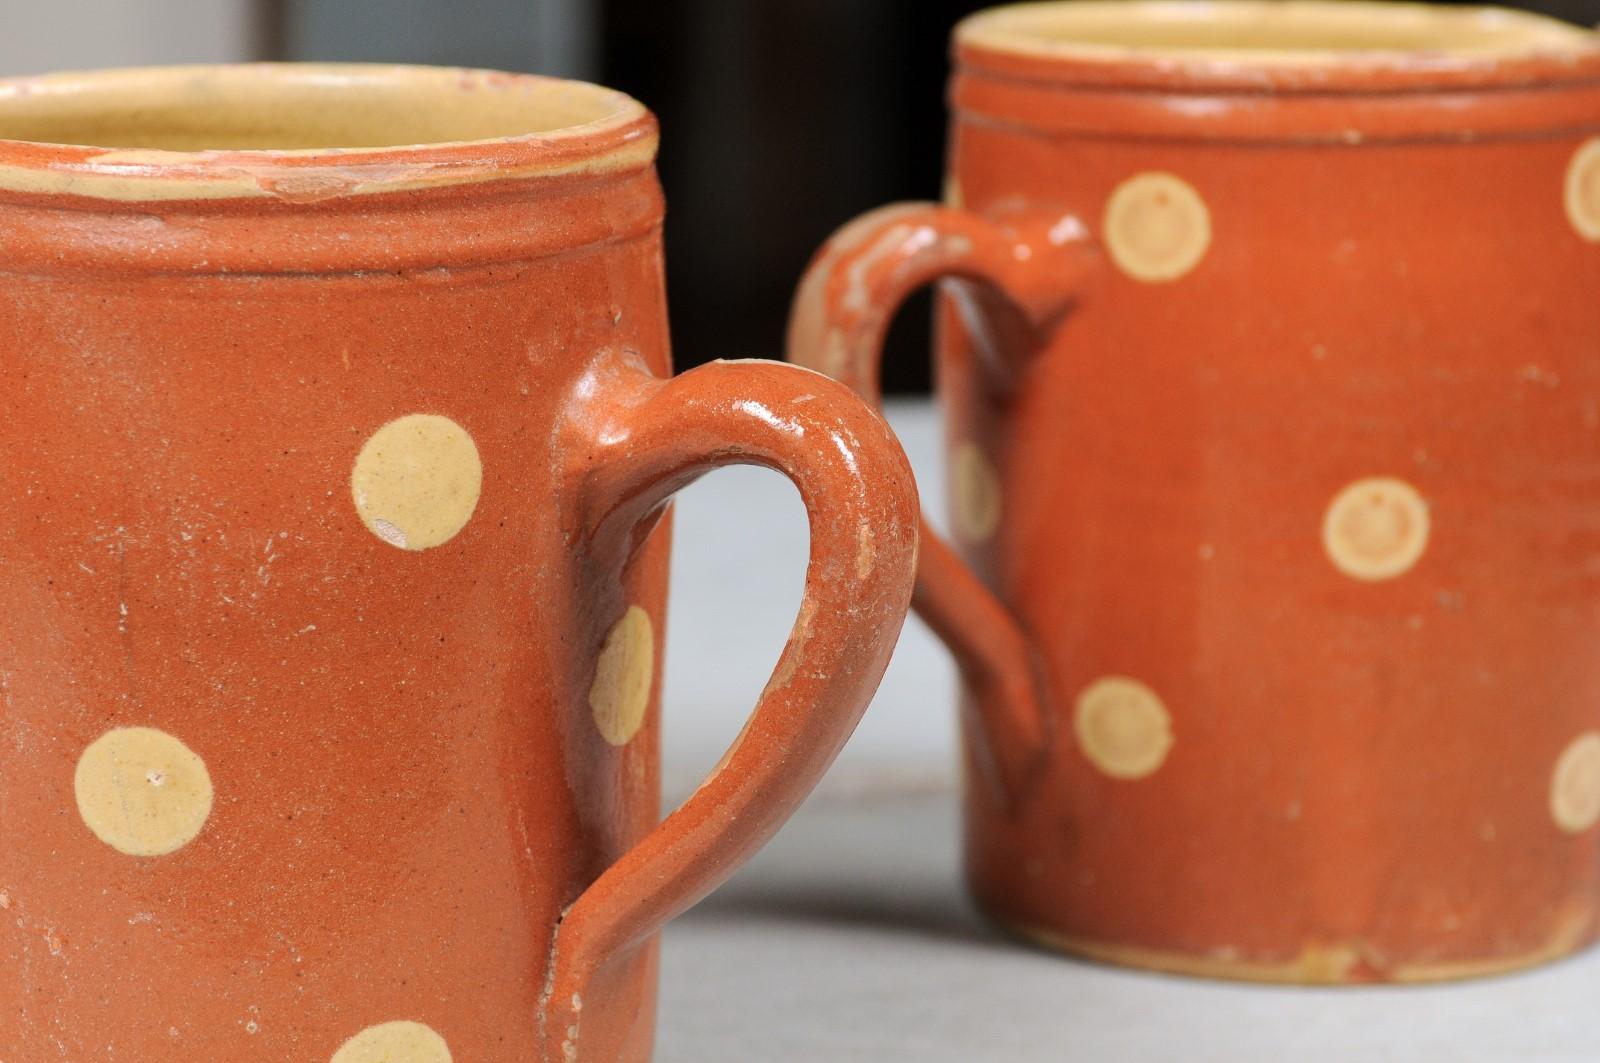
pixel 850 939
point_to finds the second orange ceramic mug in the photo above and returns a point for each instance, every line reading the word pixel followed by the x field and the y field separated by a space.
pixel 1267 350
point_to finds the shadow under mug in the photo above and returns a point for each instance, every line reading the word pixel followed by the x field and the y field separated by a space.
pixel 1268 353
pixel 333 548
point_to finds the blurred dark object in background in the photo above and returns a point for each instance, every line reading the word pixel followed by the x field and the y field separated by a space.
pixel 781 120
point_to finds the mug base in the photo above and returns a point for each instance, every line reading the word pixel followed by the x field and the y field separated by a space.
pixel 1317 965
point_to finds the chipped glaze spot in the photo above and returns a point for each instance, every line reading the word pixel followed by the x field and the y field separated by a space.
pixel 1575 785
pixel 1156 227
pixel 1376 528
pixel 953 196
pixel 142 791
pixel 1581 192
pixel 866 550
pixel 620 694
pixel 416 482
pixel 858 295
pixel 836 353
pixel 394 1042
pixel 975 494
pixel 1123 727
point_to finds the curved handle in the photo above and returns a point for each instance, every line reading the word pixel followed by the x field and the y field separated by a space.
pixel 1013 278
pixel 634 441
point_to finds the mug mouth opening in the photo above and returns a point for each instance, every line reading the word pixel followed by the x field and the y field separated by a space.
pixel 1270 34
pixel 380 126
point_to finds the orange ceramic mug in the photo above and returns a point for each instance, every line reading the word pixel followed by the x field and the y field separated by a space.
pixel 1268 353
pixel 332 569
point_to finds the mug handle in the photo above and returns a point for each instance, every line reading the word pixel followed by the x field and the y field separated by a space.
pixel 1012 277
pixel 633 440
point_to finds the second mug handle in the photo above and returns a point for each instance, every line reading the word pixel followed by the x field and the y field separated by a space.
pixel 1014 278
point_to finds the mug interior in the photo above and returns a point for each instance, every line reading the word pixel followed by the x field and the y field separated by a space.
pixel 300 108
pixel 1270 31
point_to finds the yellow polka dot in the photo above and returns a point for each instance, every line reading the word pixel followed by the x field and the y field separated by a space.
pixel 620 693
pixel 1156 227
pixel 142 792
pixel 1376 528
pixel 1582 190
pixel 1122 727
pixel 394 1042
pixel 1575 785
pixel 417 480
pixel 976 490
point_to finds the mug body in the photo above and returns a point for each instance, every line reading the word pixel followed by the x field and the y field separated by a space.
pixel 291 629
pixel 1300 503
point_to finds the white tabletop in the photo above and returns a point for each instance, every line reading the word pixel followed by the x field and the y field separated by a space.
pixel 850 939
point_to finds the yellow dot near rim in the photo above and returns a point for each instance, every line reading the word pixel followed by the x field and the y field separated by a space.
pixel 417 480
pixel 1575 785
pixel 975 494
pixel 1156 227
pixel 1123 727
pixel 1581 190
pixel 620 694
pixel 394 1042
pixel 1376 528
pixel 142 791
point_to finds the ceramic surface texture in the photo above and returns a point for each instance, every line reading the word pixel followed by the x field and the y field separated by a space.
pixel 333 548
pixel 1268 353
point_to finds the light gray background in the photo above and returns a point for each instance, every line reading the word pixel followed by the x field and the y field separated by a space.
pixel 849 938
pixel 38 36
pixel 739 560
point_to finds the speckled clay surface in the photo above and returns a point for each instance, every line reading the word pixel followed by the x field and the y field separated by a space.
pixel 332 571
pixel 1274 408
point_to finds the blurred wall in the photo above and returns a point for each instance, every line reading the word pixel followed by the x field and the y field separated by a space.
pixel 548 36
pixel 37 36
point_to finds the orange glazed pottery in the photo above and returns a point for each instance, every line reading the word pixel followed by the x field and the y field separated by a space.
pixel 332 570
pixel 1271 358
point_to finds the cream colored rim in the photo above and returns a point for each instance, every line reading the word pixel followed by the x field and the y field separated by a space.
pixel 1271 33
pixel 205 132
